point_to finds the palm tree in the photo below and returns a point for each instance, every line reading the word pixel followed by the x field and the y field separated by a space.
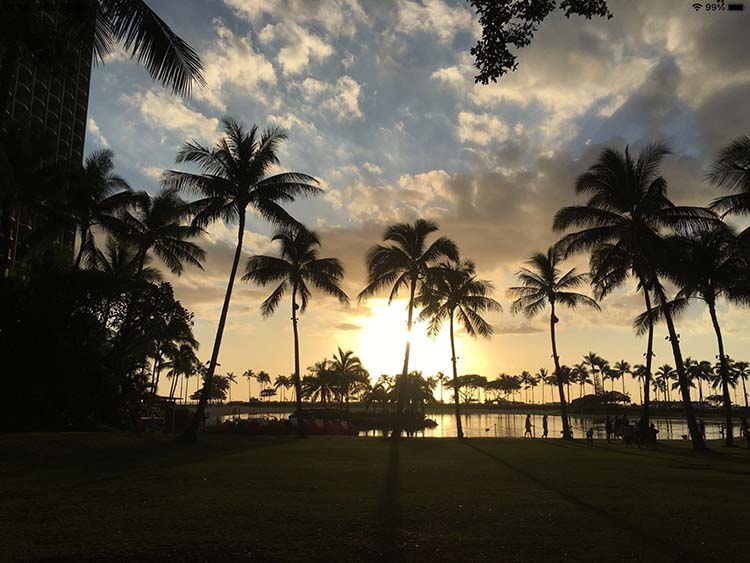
pixel 542 283
pixel 662 376
pixel 638 373
pixel 120 259
pixel 231 378
pixel 263 379
pixel 249 375
pixel 156 224
pixel 543 376
pixel 183 364
pixel 404 262
pixel 28 30
pixel 349 372
pixel 742 369
pixel 708 266
pixel 622 224
pixel 235 178
pixel 594 361
pixel 442 379
pixel 622 368
pixel 452 292
pixel 731 170
pixel 283 382
pixel 321 382
pixel 95 195
pixel 298 267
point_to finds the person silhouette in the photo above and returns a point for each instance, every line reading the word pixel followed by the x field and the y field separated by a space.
pixel 702 428
pixel 528 427
pixel 608 428
pixel 545 428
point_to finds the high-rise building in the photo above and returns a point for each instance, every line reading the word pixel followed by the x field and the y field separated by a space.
pixel 56 99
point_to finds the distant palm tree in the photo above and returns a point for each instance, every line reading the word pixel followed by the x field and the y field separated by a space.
pixel 263 379
pixel 543 376
pixel 283 382
pixel 94 197
pixel 235 178
pixel 298 267
pixel 403 263
pixel 742 369
pixel 320 384
pixel 638 373
pixel 182 365
pixel 544 283
pixel 442 379
pixel 452 293
pixel 157 224
pixel 622 368
pixel 663 375
pixel 120 259
pixel 594 361
pixel 582 377
pixel 231 378
pixel 349 372
pixel 249 375
pixel 708 266
pixel 622 224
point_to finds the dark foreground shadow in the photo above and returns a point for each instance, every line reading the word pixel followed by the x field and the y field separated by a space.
pixel 387 546
pixel 655 543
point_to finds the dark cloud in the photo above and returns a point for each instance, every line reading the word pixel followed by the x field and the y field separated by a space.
pixel 523 328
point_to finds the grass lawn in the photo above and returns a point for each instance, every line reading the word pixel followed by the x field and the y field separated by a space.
pixel 113 497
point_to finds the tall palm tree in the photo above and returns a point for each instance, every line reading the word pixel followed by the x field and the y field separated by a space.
pixel 295 270
pixel 663 375
pixel 622 368
pixel 544 283
pixel 709 266
pixel 543 376
pixel 442 379
pixel 182 364
pixel 582 377
pixel 452 293
pixel 403 262
pixel 96 194
pixel 157 224
pixel 594 361
pixel 742 369
pixel 622 224
pixel 231 378
pixel 638 373
pixel 283 382
pixel 235 177
pixel 249 375
pixel 349 372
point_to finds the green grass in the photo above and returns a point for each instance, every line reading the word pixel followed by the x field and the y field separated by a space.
pixel 99 496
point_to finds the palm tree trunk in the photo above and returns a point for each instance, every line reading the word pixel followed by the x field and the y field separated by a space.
pixel 567 434
pixel 649 358
pixel 459 427
pixel 297 379
pixel 77 265
pixel 744 389
pixel 695 434
pixel 397 427
pixel 724 370
pixel 191 432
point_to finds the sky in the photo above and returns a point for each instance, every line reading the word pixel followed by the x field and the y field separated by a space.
pixel 380 104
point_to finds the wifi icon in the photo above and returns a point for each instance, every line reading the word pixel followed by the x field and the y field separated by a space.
pixel 697 7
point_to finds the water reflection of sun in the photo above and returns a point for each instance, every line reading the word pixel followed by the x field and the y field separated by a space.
pixel 383 339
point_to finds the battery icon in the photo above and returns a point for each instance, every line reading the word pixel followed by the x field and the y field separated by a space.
pixel 735 7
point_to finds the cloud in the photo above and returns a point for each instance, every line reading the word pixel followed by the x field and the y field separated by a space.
pixel 300 46
pixel 433 17
pixel 347 326
pixel 523 328
pixel 481 129
pixel 93 129
pixel 233 63
pixel 343 102
pixel 163 111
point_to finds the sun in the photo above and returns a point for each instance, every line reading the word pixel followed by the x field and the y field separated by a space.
pixel 382 342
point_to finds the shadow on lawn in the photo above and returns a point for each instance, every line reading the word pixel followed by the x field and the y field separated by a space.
pixel 669 550
pixel 387 546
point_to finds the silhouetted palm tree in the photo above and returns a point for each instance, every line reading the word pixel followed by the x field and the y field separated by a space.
pixel 442 379
pixel 320 383
pixel 544 283
pixel 638 373
pixel 119 259
pixel 28 30
pixel 663 376
pixel 622 368
pixel 235 178
pixel 452 293
pixel 283 382
pixel 231 378
pixel 95 196
pixel 710 265
pixel 349 372
pixel 157 224
pixel 543 376
pixel 298 268
pixel 404 263
pixel 731 170
pixel 249 375
pixel 622 224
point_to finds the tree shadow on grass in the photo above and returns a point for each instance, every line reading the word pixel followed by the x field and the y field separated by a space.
pixel 669 550
pixel 387 546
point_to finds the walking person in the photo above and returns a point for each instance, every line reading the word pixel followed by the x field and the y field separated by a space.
pixel 608 429
pixel 528 427
pixel 545 428
pixel 702 428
